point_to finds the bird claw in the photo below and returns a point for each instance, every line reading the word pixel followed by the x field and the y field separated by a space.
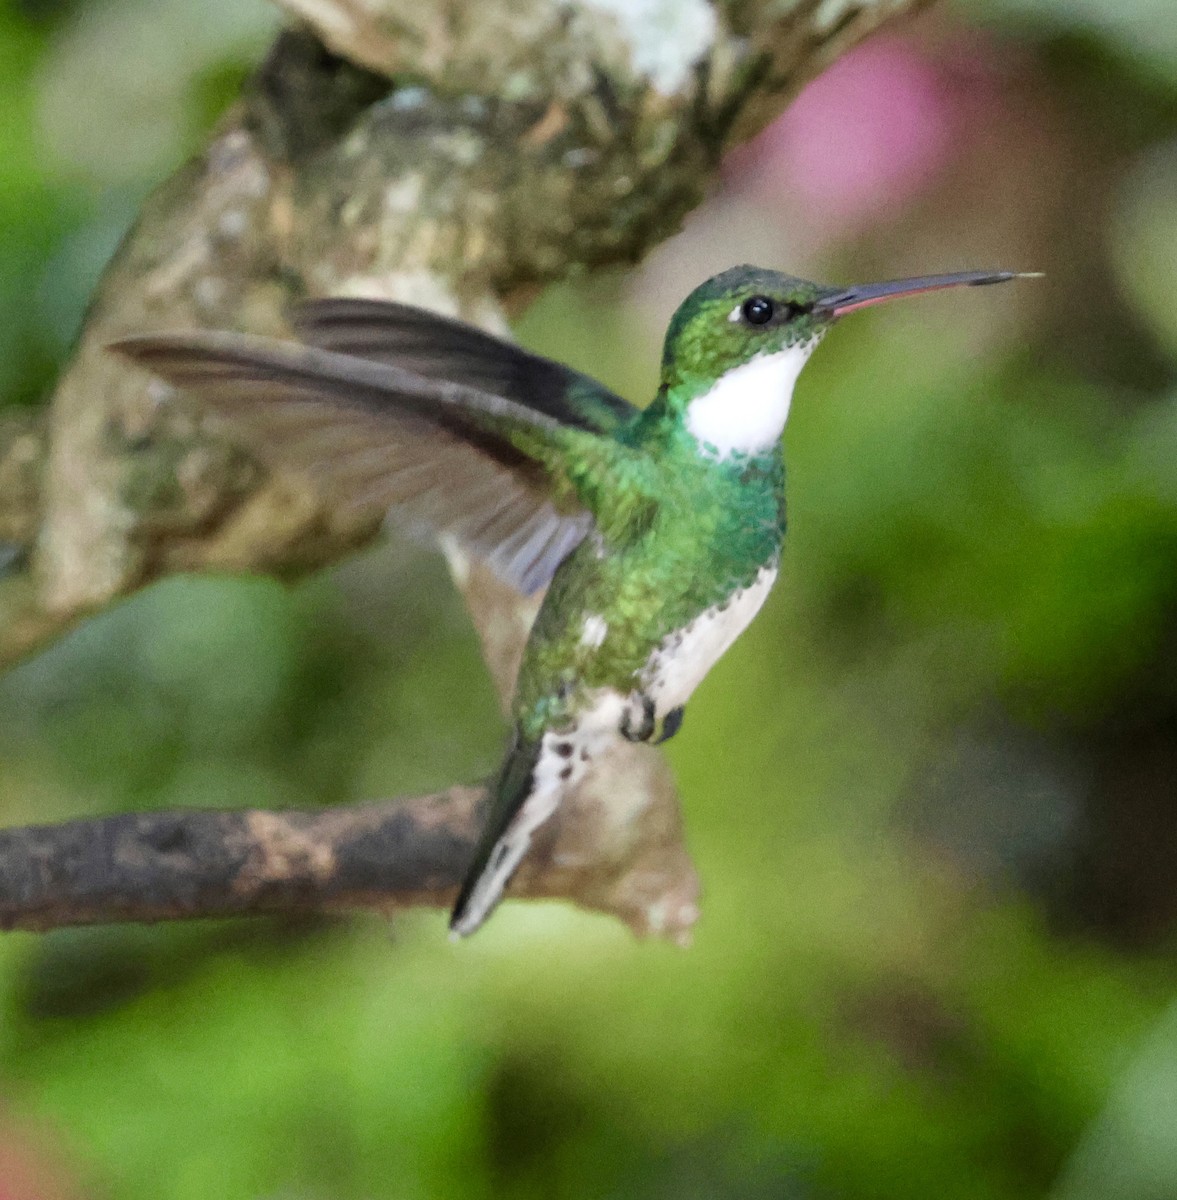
pixel 671 724
pixel 639 722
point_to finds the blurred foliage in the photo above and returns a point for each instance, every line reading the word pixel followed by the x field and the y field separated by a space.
pixel 933 792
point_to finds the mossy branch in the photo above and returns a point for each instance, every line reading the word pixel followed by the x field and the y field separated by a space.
pixel 453 156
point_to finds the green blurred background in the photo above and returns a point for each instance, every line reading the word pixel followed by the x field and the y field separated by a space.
pixel 932 792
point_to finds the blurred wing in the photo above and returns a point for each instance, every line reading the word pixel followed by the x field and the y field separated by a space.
pixel 442 348
pixel 445 458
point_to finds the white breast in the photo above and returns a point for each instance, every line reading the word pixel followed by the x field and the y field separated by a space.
pixel 684 657
pixel 746 408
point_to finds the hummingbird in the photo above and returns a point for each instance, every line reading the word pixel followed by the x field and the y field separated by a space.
pixel 657 531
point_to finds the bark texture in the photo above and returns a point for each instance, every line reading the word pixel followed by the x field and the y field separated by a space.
pixel 457 156
pixel 176 865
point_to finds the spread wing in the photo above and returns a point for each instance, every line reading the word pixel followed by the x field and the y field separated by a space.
pixel 446 457
pixel 442 348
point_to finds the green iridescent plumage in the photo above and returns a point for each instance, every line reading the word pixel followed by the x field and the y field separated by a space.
pixel 703 342
pixel 707 533
pixel 658 531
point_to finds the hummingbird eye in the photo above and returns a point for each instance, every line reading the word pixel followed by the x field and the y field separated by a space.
pixel 758 310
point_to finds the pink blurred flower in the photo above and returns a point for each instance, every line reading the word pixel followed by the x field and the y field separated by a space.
pixel 32 1164
pixel 860 140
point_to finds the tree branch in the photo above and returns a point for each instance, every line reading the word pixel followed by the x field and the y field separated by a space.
pixel 451 156
pixel 170 866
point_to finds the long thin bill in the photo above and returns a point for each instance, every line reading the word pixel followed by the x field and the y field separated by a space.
pixel 864 295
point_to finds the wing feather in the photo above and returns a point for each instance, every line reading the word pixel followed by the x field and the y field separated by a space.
pixel 442 457
pixel 446 349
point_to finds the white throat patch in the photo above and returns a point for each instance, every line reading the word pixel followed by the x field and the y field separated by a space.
pixel 746 408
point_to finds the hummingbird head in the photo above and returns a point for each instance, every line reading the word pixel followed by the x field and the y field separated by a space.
pixel 738 342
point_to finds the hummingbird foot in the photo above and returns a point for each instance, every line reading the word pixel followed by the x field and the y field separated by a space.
pixel 671 724
pixel 639 722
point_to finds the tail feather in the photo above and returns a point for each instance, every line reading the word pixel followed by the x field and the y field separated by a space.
pixel 521 802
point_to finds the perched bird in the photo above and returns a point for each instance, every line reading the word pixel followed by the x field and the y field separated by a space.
pixel 657 531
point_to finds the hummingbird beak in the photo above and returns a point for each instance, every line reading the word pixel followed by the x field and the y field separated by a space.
pixel 847 300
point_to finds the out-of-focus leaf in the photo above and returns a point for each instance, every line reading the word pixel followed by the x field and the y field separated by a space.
pixel 1146 241
pixel 1143 29
pixel 126 127
pixel 1130 1152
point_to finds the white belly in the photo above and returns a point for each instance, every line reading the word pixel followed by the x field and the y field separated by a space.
pixel 671 674
pixel 683 659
